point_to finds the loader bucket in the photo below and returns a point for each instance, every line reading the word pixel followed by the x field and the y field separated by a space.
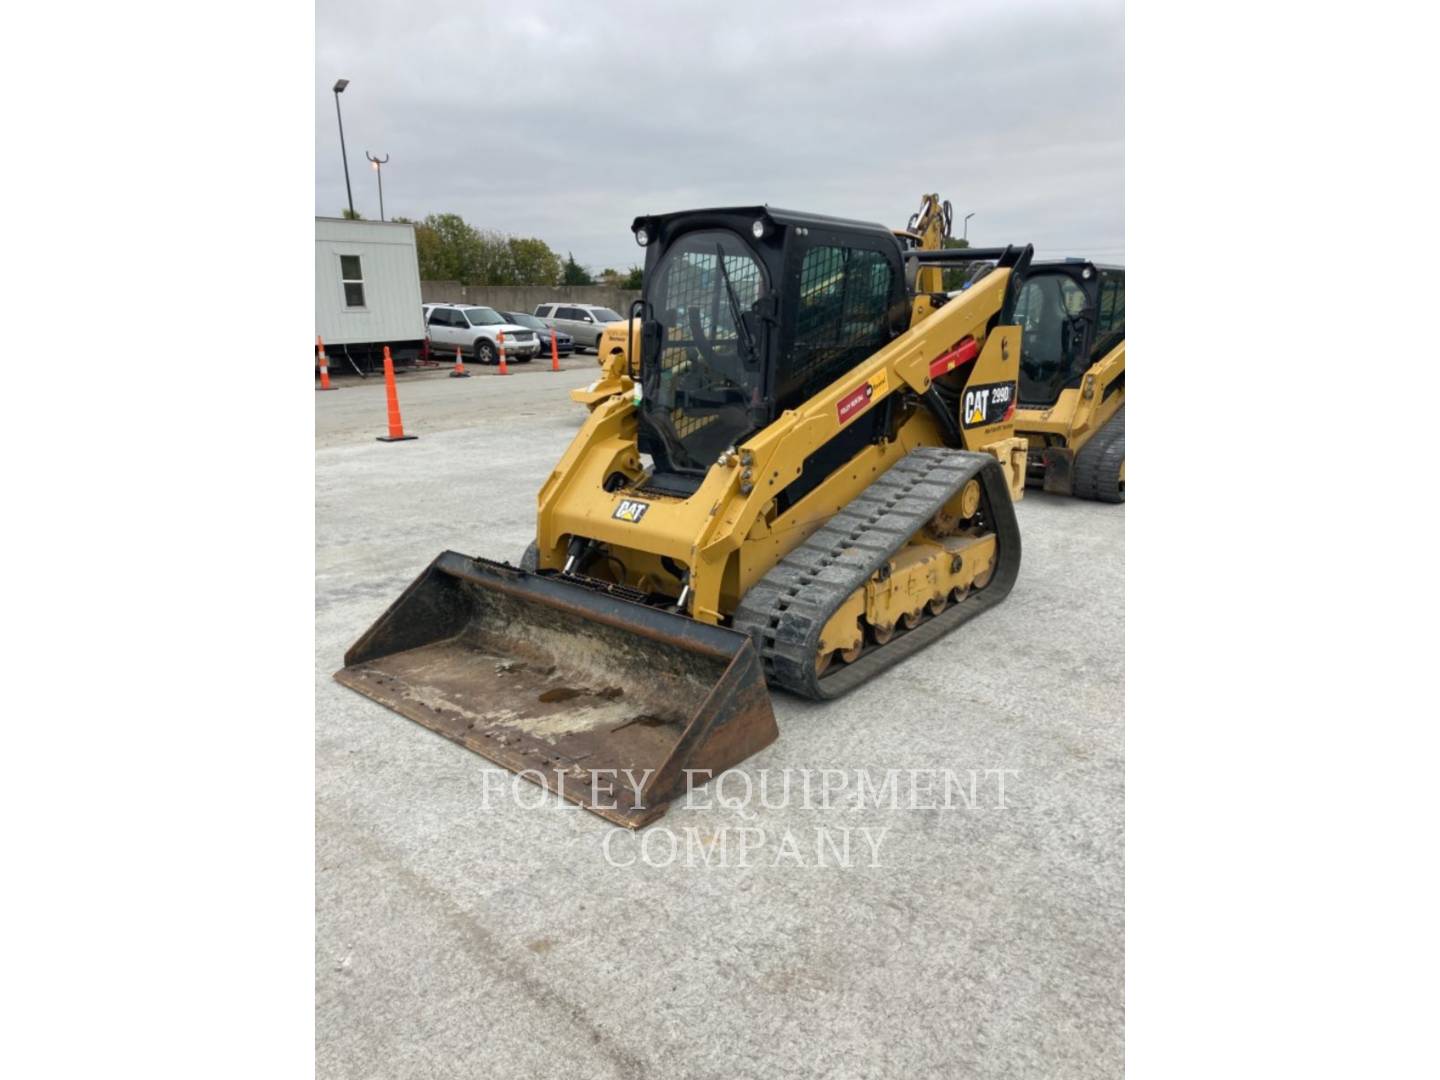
pixel 607 702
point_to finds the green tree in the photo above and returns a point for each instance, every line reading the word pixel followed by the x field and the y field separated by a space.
pixel 532 262
pixel 634 279
pixel 492 264
pixel 574 273
pixel 351 215
pixel 427 252
pixel 448 248
pixel 427 248
pixel 954 279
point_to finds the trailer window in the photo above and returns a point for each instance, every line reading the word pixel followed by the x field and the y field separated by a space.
pixel 353 281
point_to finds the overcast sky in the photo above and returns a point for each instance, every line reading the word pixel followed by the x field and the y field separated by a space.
pixel 566 120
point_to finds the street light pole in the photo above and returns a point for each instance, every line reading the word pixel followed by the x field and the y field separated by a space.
pixel 375 163
pixel 965 227
pixel 340 85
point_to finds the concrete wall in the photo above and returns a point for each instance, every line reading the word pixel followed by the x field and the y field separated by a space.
pixel 526 297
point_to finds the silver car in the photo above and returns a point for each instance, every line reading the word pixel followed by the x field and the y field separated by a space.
pixel 476 330
pixel 583 322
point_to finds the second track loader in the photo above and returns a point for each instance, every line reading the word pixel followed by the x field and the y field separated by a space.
pixel 1072 378
pixel 1071 409
pixel 811 480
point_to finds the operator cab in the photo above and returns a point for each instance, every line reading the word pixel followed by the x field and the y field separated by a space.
pixel 1071 314
pixel 746 312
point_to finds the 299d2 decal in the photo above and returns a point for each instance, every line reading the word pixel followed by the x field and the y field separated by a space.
pixel 992 403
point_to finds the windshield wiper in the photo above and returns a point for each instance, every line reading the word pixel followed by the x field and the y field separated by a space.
pixel 740 328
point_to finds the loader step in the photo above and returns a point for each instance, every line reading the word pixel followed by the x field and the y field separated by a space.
pixel 786 610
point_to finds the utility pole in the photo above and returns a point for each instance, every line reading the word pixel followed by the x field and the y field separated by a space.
pixel 375 163
pixel 340 85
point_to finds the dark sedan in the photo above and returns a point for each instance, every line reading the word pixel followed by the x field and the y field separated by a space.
pixel 565 344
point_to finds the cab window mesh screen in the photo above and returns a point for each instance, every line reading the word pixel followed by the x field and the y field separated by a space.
pixel 695 308
pixel 1110 319
pixel 1112 303
pixel 841 316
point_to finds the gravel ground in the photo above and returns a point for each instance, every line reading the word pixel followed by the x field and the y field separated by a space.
pixel 464 930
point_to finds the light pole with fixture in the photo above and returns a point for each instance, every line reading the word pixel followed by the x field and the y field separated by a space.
pixel 965 227
pixel 375 163
pixel 340 85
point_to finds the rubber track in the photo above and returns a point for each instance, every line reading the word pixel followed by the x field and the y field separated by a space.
pixel 1097 465
pixel 785 611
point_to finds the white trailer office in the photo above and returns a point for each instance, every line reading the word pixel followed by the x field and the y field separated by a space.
pixel 367 291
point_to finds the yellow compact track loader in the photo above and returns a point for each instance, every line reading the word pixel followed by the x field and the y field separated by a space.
pixel 811 480
pixel 1072 362
pixel 1072 378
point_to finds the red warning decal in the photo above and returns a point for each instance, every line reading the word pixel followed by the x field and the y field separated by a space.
pixel 859 399
pixel 854 402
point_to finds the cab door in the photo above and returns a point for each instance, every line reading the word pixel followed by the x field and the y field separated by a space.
pixel 1056 313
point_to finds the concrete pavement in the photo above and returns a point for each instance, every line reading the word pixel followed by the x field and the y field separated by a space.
pixel 937 926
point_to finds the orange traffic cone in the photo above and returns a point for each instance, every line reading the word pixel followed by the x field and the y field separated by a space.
pixel 459 372
pixel 324 365
pixel 554 351
pixel 504 368
pixel 392 405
